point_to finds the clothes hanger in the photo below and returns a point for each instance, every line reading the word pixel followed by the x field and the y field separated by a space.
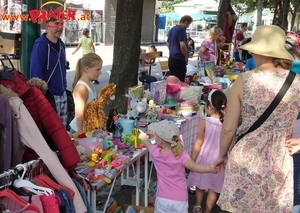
pixel 6 74
pixel 14 197
pixel 12 187
pixel 6 69
pixel 21 183
pixel 47 180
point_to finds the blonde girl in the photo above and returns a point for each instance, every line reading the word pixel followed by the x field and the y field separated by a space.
pixel 86 43
pixel 208 49
pixel 88 68
pixel 170 161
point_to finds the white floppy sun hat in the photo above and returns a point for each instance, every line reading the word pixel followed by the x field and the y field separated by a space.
pixel 268 40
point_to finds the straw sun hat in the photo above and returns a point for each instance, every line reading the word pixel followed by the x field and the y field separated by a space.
pixel 268 40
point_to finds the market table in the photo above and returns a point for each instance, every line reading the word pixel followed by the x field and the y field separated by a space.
pixel 100 183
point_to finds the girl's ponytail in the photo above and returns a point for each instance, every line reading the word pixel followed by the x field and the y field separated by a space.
pixel 177 149
pixel 78 73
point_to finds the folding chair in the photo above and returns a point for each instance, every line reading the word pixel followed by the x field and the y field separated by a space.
pixel 163 62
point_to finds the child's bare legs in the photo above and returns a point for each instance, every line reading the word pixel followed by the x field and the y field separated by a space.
pixel 210 200
pixel 199 197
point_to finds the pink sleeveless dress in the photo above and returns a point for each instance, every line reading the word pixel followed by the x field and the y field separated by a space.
pixel 208 154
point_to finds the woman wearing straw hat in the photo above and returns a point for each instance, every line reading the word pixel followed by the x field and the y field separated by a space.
pixel 259 169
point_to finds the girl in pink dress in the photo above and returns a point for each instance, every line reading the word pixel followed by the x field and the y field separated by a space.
pixel 206 151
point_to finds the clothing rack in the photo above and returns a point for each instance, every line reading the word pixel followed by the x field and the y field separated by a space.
pixel 11 56
pixel 32 164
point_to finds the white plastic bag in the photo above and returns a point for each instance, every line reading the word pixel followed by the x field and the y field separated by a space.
pixel 190 70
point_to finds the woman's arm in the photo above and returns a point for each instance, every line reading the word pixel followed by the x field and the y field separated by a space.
pixel 293 145
pixel 81 95
pixel 201 53
pixel 232 116
pixel 199 140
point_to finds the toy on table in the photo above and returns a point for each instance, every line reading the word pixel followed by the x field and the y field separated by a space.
pixel 117 141
pixel 94 115
pixel 113 122
pixel 135 132
pixel 120 160
pixel 137 106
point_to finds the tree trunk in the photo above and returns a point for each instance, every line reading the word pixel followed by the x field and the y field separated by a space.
pixel 223 7
pixel 294 14
pixel 126 49
pixel 259 12
pixel 278 14
pixel 286 8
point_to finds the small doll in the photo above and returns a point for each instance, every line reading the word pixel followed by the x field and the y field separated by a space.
pixel 113 122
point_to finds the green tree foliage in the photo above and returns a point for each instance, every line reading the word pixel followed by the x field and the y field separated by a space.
pixel 252 4
pixel 167 6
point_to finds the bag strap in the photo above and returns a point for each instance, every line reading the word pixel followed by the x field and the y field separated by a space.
pixel 286 85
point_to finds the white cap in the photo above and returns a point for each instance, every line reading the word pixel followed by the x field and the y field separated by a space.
pixel 166 130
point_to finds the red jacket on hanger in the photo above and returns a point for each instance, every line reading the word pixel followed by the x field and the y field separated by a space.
pixel 44 116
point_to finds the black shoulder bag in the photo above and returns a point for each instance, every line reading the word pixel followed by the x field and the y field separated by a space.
pixel 286 85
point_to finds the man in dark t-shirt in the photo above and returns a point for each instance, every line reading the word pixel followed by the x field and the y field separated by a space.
pixel 177 44
pixel 239 38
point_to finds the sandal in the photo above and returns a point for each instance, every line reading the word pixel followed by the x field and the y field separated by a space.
pixel 199 208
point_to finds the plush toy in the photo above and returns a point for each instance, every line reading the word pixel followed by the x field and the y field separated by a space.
pixel 82 152
pixel 94 116
pixel 137 106
pixel 152 114
pixel 189 94
pixel 147 95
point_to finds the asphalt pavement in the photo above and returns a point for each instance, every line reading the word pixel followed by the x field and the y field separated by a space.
pixel 106 53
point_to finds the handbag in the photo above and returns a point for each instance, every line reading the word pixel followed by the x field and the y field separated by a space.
pixel 286 85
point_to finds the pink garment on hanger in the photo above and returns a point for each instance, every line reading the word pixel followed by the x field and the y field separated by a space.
pixel 50 204
pixel 15 208
pixel 35 199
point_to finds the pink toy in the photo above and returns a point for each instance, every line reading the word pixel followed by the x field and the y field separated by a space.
pixel 117 141
pixel 140 146
pixel 120 159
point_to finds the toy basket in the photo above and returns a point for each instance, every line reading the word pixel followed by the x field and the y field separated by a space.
pixel 90 143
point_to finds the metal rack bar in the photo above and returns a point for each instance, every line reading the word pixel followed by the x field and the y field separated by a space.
pixel 10 172
pixel 12 56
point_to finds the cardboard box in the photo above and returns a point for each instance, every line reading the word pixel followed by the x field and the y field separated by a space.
pixel 159 91
pixel 151 199
pixel 138 208
pixel 10 42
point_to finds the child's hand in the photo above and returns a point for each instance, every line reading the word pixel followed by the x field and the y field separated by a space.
pixel 143 136
pixel 221 162
pixel 293 145
pixel 215 169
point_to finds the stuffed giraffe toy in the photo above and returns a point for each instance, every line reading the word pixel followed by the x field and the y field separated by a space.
pixel 94 115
